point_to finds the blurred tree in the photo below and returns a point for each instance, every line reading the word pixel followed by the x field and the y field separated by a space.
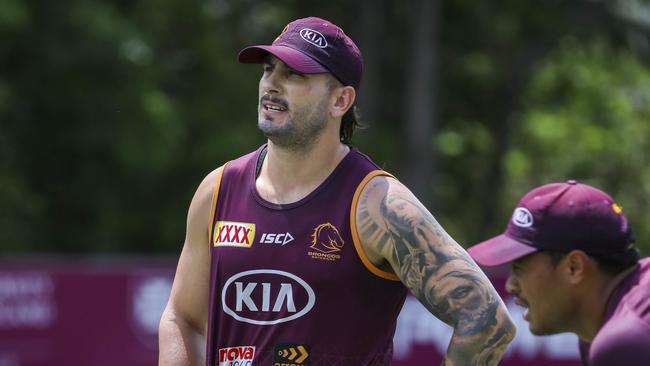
pixel 585 116
pixel 490 55
pixel 111 112
pixel 108 120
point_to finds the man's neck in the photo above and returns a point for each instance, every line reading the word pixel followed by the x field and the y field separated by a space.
pixel 288 175
pixel 595 304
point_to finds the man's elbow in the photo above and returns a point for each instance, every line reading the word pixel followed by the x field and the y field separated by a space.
pixel 167 328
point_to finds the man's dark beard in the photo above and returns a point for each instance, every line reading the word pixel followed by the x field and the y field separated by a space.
pixel 300 131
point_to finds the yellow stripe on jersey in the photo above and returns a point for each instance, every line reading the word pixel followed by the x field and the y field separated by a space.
pixel 355 234
pixel 215 196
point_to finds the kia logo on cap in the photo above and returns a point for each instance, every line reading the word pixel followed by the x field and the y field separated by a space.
pixel 313 37
pixel 522 217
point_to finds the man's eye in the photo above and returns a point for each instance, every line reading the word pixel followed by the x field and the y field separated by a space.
pixel 294 72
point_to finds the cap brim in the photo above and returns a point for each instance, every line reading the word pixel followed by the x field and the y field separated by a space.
pixel 499 250
pixel 293 58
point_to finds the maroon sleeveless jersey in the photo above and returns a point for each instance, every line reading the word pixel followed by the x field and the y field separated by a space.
pixel 624 337
pixel 290 284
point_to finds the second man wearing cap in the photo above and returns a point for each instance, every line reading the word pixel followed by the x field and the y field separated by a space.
pixel 575 269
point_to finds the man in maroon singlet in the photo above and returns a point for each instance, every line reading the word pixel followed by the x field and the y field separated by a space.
pixel 302 252
pixel 575 269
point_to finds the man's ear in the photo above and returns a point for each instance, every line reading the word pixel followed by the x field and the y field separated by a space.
pixel 576 265
pixel 344 98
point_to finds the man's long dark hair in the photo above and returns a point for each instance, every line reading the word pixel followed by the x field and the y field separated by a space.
pixel 350 120
pixel 349 123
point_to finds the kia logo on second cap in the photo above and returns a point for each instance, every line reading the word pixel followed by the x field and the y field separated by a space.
pixel 313 37
pixel 522 217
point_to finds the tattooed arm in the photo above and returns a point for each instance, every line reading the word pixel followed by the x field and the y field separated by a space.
pixel 399 234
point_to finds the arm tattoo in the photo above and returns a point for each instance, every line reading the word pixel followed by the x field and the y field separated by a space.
pixel 437 270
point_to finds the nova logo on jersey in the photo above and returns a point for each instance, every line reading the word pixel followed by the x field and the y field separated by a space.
pixel 236 356
pixel 326 243
pixel 266 297
pixel 271 238
pixel 233 234
pixel 291 355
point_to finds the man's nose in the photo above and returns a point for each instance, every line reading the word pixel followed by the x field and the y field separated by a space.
pixel 269 84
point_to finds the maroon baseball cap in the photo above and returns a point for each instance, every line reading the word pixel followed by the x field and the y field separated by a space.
pixel 310 46
pixel 559 217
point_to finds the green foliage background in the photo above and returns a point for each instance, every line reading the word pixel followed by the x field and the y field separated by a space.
pixel 111 112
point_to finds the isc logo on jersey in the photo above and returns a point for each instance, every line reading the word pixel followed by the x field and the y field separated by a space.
pixel 236 356
pixel 233 234
pixel 281 239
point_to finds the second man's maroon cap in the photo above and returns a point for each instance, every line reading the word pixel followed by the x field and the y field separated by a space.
pixel 313 45
pixel 559 217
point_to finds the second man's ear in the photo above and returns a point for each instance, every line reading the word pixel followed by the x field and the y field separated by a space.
pixel 577 262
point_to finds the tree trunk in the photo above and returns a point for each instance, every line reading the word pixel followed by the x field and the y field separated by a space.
pixel 421 100
pixel 371 23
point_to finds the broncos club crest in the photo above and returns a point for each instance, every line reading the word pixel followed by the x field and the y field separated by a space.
pixel 326 243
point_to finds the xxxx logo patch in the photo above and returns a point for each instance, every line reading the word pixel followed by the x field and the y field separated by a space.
pixel 233 234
